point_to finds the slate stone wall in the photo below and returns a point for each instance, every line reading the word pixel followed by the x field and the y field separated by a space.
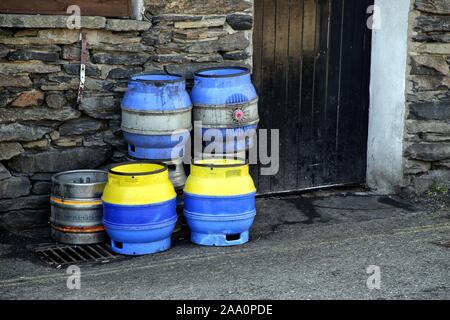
pixel 42 128
pixel 427 136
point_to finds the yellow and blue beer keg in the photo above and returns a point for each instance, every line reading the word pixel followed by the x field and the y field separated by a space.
pixel 219 202
pixel 139 208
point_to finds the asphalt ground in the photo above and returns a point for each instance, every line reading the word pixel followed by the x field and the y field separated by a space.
pixel 321 246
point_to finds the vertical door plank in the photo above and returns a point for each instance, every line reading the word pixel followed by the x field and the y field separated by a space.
pixel 279 103
pixel 257 75
pixel 292 123
pixel 345 117
pixel 317 168
pixel 305 150
pixel 333 89
pixel 268 65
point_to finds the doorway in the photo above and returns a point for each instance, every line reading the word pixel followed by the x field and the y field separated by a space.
pixel 312 73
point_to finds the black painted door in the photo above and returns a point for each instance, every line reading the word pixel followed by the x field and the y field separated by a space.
pixel 311 71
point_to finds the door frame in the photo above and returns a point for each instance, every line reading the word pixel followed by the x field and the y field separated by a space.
pixel 388 96
pixel 362 152
pixel 387 105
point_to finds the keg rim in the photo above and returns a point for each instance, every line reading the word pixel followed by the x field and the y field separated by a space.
pixel 144 173
pixel 160 161
pixel 212 165
pixel 244 71
pixel 179 77
pixel 56 175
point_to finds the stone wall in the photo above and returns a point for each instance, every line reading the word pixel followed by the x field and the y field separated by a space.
pixel 42 128
pixel 427 136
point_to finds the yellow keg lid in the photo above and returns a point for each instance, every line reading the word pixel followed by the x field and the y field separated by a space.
pixel 219 177
pixel 137 169
pixel 138 183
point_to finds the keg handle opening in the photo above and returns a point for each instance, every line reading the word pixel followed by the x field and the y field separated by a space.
pixel 233 237
pixel 118 245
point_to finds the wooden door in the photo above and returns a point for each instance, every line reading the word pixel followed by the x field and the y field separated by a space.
pixel 312 70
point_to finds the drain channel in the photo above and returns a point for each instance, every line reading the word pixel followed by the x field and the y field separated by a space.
pixel 61 255
pixel 58 255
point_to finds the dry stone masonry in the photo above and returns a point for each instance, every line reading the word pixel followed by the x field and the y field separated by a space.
pixel 42 128
pixel 427 143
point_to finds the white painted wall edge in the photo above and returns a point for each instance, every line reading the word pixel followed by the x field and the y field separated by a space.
pixel 388 96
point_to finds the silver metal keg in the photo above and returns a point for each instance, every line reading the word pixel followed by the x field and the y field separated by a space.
pixel 76 206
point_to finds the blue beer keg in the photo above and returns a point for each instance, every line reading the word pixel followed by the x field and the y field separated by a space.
pixel 156 116
pixel 226 103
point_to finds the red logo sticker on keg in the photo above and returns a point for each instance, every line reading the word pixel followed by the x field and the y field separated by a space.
pixel 238 115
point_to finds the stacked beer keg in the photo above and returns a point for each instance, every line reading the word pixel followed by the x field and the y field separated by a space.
pixel 156 122
pixel 141 197
pixel 225 106
pixel 220 194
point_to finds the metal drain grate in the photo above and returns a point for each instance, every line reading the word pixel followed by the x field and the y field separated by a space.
pixel 442 243
pixel 61 255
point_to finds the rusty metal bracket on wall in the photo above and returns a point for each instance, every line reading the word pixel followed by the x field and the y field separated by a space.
pixel 83 61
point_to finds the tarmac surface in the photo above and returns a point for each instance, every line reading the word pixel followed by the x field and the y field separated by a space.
pixel 317 246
